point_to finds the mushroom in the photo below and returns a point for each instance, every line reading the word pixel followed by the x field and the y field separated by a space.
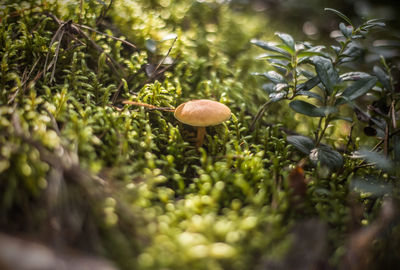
pixel 202 113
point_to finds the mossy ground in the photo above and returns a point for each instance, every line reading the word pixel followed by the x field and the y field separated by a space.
pixel 80 170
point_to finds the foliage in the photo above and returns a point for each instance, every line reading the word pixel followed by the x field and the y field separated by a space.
pixel 306 70
pixel 79 170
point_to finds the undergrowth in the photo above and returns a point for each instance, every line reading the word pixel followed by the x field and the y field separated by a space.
pixel 80 170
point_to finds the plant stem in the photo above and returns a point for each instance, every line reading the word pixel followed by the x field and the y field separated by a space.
pixel 321 134
pixel 152 107
pixel 259 114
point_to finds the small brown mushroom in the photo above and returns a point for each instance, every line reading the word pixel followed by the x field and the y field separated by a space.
pixel 202 113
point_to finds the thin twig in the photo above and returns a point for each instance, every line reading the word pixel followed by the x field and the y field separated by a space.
pixel 24 82
pixel 103 13
pixel 116 94
pixel 106 35
pixel 149 106
pixel 259 114
pixel 55 37
pixel 165 57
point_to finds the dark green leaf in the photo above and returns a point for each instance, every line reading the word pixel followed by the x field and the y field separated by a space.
pixel 379 160
pixel 346 31
pixel 273 76
pixel 382 77
pixel 352 50
pixel 373 23
pixel 338 117
pixel 359 88
pixel 309 94
pixel 327 110
pixel 287 39
pixel 280 65
pixel 336 49
pixel 326 156
pixel 269 47
pixel 272 56
pixel 308 74
pixel 354 76
pixel 268 87
pixel 310 84
pixel 274 97
pixel 283 63
pixel 306 108
pixel 302 143
pixel 326 72
pixel 340 14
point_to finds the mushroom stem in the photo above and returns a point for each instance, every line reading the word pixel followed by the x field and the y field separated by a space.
pixel 201 131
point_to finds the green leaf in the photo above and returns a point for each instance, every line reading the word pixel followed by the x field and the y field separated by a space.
pixel 274 97
pixel 344 118
pixel 288 40
pixel 280 65
pixel 346 31
pixel 379 160
pixel 268 87
pixel 309 94
pixel 273 76
pixel 354 76
pixel 340 14
pixel 326 72
pixel 306 108
pixel 272 56
pixel 302 143
pixel 269 47
pixel 326 156
pixel 308 85
pixel 360 87
pixel 382 77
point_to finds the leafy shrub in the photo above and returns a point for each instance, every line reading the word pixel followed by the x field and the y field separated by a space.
pixel 79 170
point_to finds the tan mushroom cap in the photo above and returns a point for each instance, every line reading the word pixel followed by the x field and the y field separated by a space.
pixel 202 113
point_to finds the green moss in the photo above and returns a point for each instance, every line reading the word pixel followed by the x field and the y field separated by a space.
pixel 127 183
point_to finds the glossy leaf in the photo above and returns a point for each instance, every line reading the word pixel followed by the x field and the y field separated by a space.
pixel 274 97
pixel 308 85
pixel 272 56
pixel 346 31
pixel 306 108
pixel 273 76
pixel 269 47
pixel 287 39
pixel 340 14
pixel 353 76
pixel 344 118
pixel 326 72
pixel 360 87
pixel 302 143
pixel 326 156
pixel 382 77
pixel 268 87
pixel 309 94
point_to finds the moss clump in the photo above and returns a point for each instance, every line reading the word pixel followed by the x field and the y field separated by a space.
pixel 80 170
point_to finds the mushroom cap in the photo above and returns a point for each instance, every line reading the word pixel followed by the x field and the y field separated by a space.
pixel 202 113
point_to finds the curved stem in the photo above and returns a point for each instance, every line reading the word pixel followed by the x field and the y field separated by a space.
pixel 259 114
pixel 152 107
